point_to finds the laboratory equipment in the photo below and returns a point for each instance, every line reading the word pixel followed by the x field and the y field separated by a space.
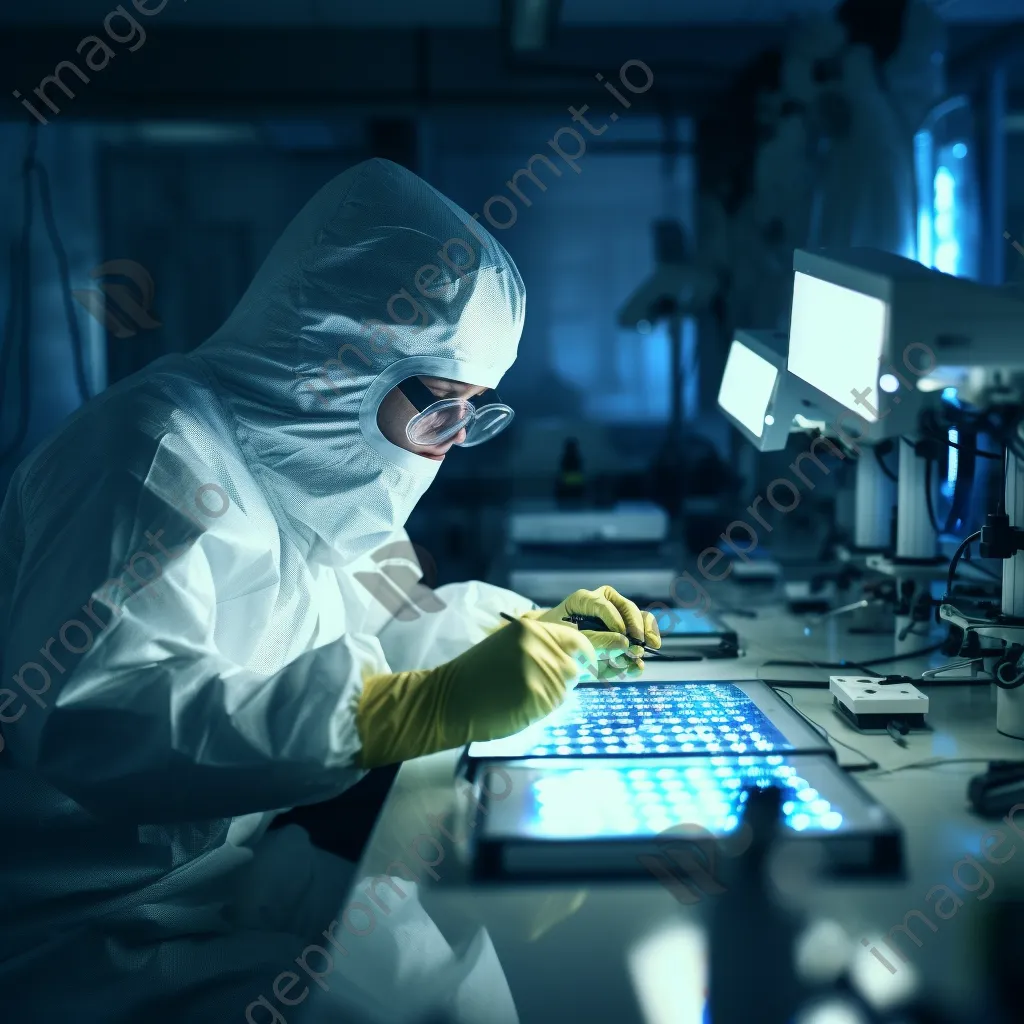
pixel 767 404
pixel 547 525
pixel 552 550
pixel 995 640
pixel 949 200
pixel 571 483
pixel 764 402
pixel 680 719
pixel 883 336
pixel 879 333
pixel 684 632
pixel 873 703
pixel 620 817
pixel 678 289
pixel 998 790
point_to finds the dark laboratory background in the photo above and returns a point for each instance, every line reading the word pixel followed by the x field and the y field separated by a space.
pixel 169 174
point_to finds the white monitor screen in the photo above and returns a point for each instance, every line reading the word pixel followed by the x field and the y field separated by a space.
pixel 747 386
pixel 835 341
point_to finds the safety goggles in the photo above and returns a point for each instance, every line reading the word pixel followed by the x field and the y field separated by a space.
pixel 440 419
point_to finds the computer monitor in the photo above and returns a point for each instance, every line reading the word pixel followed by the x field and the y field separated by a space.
pixel 881 334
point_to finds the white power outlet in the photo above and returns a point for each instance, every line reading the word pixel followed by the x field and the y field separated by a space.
pixel 871 703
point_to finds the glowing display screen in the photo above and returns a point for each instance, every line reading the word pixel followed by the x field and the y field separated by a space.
pixel 712 718
pixel 571 803
pixel 683 622
pixel 835 341
pixel 747 387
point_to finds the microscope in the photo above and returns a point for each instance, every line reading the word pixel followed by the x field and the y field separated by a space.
pixel 887 339
pixel 767 404
pixel 990 638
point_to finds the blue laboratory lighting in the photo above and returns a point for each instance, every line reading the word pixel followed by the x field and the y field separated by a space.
pixel 682 622
pixel 714 718
pixel 645 801
pixel 949 484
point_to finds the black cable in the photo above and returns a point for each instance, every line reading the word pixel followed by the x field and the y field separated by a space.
pixel 933 762
pixel 22 275
pixel 955 560
pixel 864 665
pixel 885 469
pixel 65 281
pixel 869 763
pixel 903 657
pixel 974 451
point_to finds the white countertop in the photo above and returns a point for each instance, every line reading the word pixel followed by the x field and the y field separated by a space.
pixel 607 960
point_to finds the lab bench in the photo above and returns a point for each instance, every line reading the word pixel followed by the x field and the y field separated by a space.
pixel 632 947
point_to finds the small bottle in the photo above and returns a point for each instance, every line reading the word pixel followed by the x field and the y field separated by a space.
pixel 570 483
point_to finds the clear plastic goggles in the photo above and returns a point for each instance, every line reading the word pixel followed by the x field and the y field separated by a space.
pixel 440 419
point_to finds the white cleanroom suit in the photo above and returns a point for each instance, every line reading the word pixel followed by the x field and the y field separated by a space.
pixel 184 637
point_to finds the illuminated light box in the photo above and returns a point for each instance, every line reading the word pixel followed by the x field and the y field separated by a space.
pixel 685 632
pixel 753 369
pixel 762 399
pixel 663 819
pixel 661 720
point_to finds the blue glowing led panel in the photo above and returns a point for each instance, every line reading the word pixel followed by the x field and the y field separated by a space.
pixel 713 718
pixel 683 622
pixel 587 803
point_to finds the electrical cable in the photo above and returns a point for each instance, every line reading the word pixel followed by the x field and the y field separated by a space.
pixel 22 276
pixel 885 469
pixel 868 765
pixel 931 762
pixel 863 665
pixel 64 270
pixel 974 451
pixel 955 560
pixel 1008 684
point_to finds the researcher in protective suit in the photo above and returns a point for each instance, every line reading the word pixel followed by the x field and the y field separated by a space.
pixel 187 647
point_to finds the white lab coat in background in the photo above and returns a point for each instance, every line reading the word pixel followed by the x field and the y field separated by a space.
pixel 174 718
pixel 867 193
pixel 915 75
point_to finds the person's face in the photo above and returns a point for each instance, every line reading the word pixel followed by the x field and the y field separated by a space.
pixel 396 410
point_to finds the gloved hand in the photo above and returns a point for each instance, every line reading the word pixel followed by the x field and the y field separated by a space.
pixel 497 688
pixel 616 659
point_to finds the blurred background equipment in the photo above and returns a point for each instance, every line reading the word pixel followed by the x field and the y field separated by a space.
pixel 770 385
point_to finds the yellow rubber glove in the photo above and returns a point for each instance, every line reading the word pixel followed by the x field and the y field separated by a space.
pixel 621 616
pixel 495 689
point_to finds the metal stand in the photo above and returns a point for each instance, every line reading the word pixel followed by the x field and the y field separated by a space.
pixel 873 501
pixel 1010 703
pixel 995 642
pixel 917 563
